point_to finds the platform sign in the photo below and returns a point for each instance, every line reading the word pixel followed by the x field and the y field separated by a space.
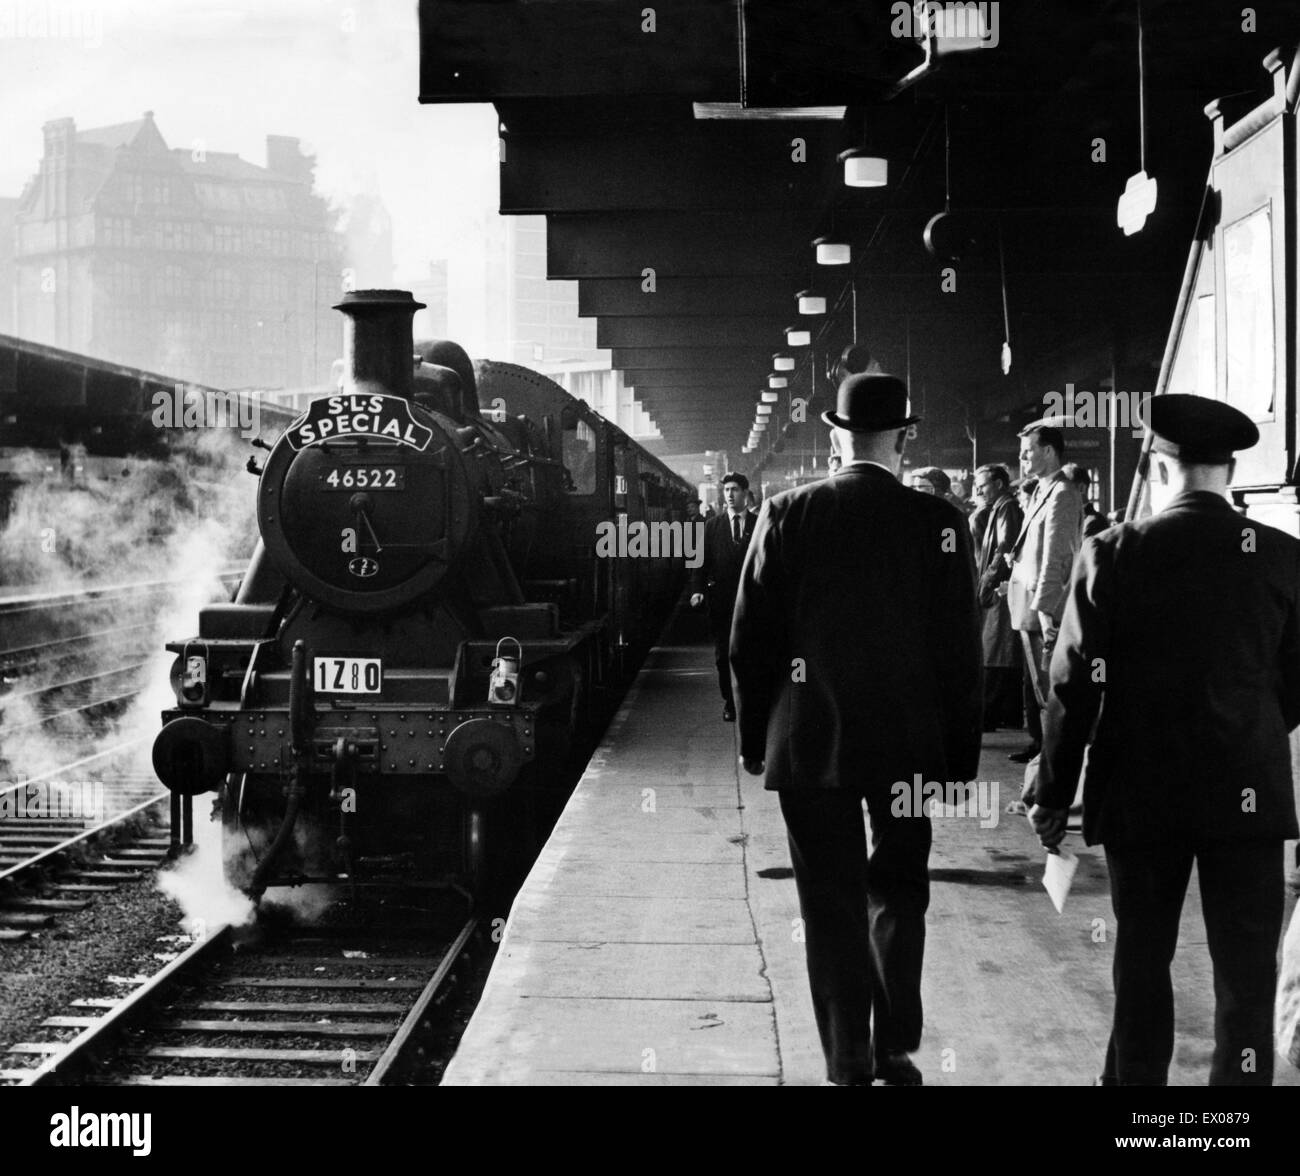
pixel 1137 203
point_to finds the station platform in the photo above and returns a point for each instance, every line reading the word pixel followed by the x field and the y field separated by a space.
pixel 654 941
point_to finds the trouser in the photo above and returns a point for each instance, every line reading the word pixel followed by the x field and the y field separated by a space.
pixel 864 923
pixel 1002 695
pixel 1035 685
pixel 720 624
pixel 1242 900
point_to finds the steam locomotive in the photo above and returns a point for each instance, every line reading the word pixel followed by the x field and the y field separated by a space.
pixel 425 635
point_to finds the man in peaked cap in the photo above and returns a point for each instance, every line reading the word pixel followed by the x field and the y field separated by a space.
pixel 856 653
pixel 1186 626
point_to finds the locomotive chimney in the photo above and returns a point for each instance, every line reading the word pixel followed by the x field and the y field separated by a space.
pixel 378 346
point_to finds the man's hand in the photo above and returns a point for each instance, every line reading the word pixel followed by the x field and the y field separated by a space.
pixel 697 598
pixel 753 766
pixel 1049 824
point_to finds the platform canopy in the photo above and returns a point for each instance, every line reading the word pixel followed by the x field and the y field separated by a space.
pixel 686 155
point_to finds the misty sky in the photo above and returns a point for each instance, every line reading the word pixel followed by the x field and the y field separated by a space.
pixel 341 76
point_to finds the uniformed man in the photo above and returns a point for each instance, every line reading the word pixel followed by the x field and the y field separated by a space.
pixel 1187 625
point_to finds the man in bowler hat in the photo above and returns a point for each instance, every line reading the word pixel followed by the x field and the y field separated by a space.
pixel 726 539
pixel 1180 641
pixel 856 653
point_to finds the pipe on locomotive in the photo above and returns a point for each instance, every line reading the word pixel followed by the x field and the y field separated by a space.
pixel 378 342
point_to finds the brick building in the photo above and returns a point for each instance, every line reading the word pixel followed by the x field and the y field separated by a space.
pixel 186 261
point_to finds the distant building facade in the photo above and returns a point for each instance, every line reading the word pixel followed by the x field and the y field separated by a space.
pixel 431 322
pixel 189 262
pixel 542 325
pixel 8 210
pixel 368 243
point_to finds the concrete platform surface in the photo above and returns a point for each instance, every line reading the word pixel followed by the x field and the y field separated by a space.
pixel 656 942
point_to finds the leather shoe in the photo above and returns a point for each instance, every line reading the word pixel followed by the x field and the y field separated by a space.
pixel 1024 755
pixel 728 713
pixel 897 1069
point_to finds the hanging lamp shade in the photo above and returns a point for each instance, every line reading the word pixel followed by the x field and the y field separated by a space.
pixel 798 336
pixel 864 170
pixel 777 382
pixel 783 363
pixel 771 397
pixel 830 252
pixel 810 302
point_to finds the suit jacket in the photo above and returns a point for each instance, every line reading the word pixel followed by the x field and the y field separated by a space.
pixel 1049 540
pixel 1181 641
pixel 718 575
pixel 1005 520
pixel 871 586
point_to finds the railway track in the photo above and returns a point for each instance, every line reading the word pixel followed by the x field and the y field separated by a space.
pixel 332 1008
pixel 63 689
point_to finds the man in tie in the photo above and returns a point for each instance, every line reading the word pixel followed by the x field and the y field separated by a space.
pixel 1042 557
pixel 726 538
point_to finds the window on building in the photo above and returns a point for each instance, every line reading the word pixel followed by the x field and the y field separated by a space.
pixel 172 283
pixel 223 285
pixel 225 238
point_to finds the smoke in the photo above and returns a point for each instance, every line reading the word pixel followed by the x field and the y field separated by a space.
pixel 197 885
pixel 182 519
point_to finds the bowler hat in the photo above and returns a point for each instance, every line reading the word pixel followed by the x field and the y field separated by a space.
pixel 1196 429
pixel 870 404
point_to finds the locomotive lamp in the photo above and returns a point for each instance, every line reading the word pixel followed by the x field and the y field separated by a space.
pixel 503 686
pixel 193 688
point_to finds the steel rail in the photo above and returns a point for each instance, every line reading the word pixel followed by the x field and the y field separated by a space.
pixel 399 1041
pixel 77 1051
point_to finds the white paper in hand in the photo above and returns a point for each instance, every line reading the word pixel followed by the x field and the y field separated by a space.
pixel 1058 876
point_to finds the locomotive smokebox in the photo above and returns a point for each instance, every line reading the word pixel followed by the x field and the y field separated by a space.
pixel 378 343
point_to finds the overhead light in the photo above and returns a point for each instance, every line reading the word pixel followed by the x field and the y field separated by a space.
pixel 759 426
pixel 811 302
pixel 771 397
pixel 777 382
pixel 862 170
pixel 798 336
pixel 783 363
pixel 832 252
pixel 734 110
pixel 763 410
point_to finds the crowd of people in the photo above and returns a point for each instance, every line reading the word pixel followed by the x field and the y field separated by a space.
pixel 865 633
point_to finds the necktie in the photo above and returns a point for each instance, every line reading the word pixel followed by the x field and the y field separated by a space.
pixel 737 532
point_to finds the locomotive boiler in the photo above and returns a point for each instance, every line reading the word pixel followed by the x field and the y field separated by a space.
pixel 424 637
